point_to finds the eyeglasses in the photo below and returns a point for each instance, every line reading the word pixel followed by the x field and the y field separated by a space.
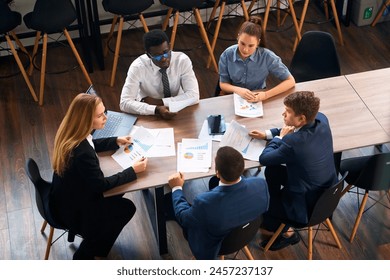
pixel 161 56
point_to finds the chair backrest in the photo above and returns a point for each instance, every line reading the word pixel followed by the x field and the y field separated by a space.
pixel 182 5
pixel 8 19
pixel 42 192
pixel 240 237
pixel 315 57
pixel 126 7
pixel 327 203
pixel 375 175
pixel 51 16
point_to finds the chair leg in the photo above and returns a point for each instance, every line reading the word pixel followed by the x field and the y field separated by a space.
pixel 43 227
pixel 21 67
pixel 48 245
pixel 248 253
pixel 166 21
pixel 117 48
pixel 203 34
pixel 35 50
pixel 273 238
pixel 216 33
pixel 380 13
pixel 114 21
pixel 347 188
pixel 213 12
pixel 245 10
pixel 251 6
pixel 142 19
pixel 334 234
pixel 310 243
pixel 76 54
pixel 337 22
pixel 302 20
pixel 174 29
pixel 359 216
pixel 43 69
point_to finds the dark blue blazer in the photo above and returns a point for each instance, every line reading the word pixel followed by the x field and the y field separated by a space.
pixel 308 156
pixel 215 213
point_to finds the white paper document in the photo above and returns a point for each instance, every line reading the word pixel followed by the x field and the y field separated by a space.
pixel 177 105
pixel 164 142
pixel 236 136
pixel 146 143
pixel 194 155
pixel 142 141
pixel 247 109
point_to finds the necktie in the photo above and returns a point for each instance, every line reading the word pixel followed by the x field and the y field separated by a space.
pixel 165 82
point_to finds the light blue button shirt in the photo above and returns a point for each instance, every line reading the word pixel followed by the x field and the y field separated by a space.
pixel 252 72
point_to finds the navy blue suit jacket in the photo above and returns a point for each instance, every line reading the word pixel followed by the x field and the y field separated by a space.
pixel 308 156
pixel 216 212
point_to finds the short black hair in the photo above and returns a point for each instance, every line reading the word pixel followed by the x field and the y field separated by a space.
pixel 154 38
pixel 229 163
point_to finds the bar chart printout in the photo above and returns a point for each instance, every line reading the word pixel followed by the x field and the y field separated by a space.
pixel 194 155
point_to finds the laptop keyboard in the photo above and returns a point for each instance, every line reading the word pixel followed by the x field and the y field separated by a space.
pixel 112 124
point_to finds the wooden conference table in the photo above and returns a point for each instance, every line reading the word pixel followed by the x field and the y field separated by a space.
pixel 352 124
pixel 373 88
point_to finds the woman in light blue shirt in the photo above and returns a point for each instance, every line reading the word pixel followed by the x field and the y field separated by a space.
pixel 244 67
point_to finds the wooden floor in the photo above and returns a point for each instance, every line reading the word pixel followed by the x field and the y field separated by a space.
pixel 28 130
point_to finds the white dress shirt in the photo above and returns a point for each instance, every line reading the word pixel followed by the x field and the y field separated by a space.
pixel 144 79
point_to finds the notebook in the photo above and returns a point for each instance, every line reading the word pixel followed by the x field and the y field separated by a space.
pixel 118 124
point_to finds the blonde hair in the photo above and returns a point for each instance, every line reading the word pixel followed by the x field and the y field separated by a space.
pixel 74 128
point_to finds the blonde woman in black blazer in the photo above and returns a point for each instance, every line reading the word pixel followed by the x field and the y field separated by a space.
pixel 77 199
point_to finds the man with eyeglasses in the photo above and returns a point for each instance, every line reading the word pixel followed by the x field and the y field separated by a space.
pixel 146 91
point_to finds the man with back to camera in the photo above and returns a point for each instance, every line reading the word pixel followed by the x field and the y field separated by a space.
pixel 299 165
pixel 145 92
pixel 232 201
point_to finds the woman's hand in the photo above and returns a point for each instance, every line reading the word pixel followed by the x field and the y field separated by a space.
pixel 123 140
pixel 246 94
pixel 259 96
pixel 140 165
pixel 257 134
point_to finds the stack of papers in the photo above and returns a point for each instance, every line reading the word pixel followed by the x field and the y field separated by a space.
pixel 247 109
pixel 236 136
pixel 194 155
pixel 146 143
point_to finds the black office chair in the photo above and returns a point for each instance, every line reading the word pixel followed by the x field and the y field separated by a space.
pixel 315 58
pixel 179 6
pixel 239 238
pixel 52 17
pixel 42 191
pixel 374 176
pixel 9 20
pixel 123 9
pixel 322 211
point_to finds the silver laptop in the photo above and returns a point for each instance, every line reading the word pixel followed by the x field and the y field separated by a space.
pixel 118 124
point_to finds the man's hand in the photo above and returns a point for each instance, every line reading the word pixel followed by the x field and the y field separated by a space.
pixel 257 134
pixel 286 130
pixel 176 179
pixel 164 112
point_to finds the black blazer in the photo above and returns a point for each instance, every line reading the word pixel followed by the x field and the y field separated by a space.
pixel 81 187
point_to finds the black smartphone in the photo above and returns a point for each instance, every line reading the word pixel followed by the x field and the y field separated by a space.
pixel 216 124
